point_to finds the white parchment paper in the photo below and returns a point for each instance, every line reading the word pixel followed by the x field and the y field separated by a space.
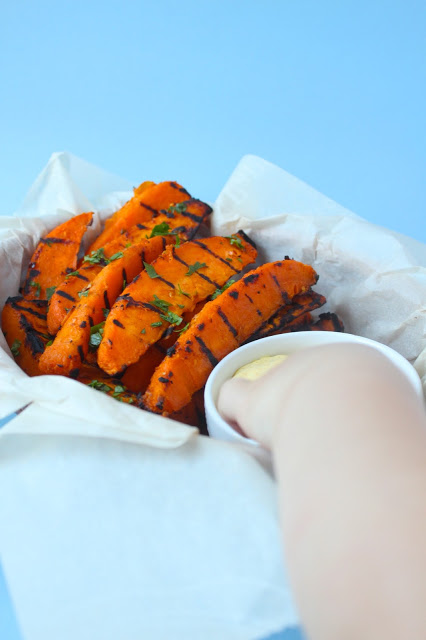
pixel 144 530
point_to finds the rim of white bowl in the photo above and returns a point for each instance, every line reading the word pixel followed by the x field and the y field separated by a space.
pixel 291 342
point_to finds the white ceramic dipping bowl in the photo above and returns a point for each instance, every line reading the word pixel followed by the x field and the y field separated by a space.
pixel 285 344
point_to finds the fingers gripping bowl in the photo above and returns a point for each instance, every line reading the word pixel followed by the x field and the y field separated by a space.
pixel 284 344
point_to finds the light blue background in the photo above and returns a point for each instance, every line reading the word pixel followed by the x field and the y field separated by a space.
pixel 333 91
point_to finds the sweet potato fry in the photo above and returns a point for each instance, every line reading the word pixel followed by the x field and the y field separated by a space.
pixel 221 326
pixel 174 283
pixel 327 322
pixel 299 305
pixel 24 325
pixel 54 254
pixel 139 209
pixel 66 354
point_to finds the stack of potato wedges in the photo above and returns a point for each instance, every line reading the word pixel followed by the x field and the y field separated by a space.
pixel 154 304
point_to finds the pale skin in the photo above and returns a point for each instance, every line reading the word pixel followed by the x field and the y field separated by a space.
pixel 348 438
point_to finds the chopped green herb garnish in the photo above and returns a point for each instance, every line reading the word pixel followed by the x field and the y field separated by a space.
pixel 15 347
pixel 177 241
pixel 181 306
pixel 83 293
pixel 106 312
pixel 128 244
pixel 124 284
pixel 195 267
pixel 96 257
pixel 117 390
pixel 162 229
pixel 236 241
pixel 171 317
pixel 100 386
pixel 150 270
pixel 228 259
pixel 49 292
pixel 71 273
pixel 49 343
pixel 183 328
pixel 48 242
pixel 37 287
pixel 160 304
pixel 180 207
pixel 96 333
pixel 182 293
pixel 224 288
pixel 156 324
pixel 116 256
pixel 143 331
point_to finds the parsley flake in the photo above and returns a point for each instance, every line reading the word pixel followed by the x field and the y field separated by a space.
pixel 224 288
pixel 37 287
pixel 150 270
pixel 236 241
pixel 162 229
pixel 15 348
pixel 183 328
pixel 156 324
pixel 171 317
pixel 99 386
pixel 163 305
pixel 180 207
pixel 182 293
pixel 193 268
pixel 49 292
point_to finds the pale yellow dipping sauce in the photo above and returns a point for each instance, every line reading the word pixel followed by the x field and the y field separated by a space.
pixel 257 368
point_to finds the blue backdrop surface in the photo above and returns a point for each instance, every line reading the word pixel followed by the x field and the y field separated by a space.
pixel 333 92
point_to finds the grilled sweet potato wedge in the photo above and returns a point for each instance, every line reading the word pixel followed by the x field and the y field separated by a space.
pixel 55 253
pixel 300 304
pixel 327 322
pixel 24 325
pixel 221 326
pixel 69 349
pixel 141 208
pixel 174 284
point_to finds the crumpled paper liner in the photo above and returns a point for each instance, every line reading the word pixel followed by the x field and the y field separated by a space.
pixel 105 539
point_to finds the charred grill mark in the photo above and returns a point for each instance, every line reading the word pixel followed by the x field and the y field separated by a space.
pixel 247 238
pixel 164 380
pixel 146 206
pixel 81 277
pixel 55 241
pixel 163 242
pixel 130 302
pixel 204 348
pixel 83 324
pixel 151 307
pixel 106 301
pixel 168 214
pixel 42 316
pixel 175 185
pixel 74 373
pixel 32 339
pixel 91 321
pixel 141 226
pixel 203 246
pixel 231 328
pixel 80 352
pixel 124 274
pixel 204 277
pixel 201 326
pixel 160 404
pixel 169 284
pixel 143 256
pixel 64 294
pixel 191 216
pixel 284 295
pixel 170 352
pixel 118 323
pixel 251 278
pixel 233 294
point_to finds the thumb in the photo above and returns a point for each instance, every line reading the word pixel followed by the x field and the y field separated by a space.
pixel 232 402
